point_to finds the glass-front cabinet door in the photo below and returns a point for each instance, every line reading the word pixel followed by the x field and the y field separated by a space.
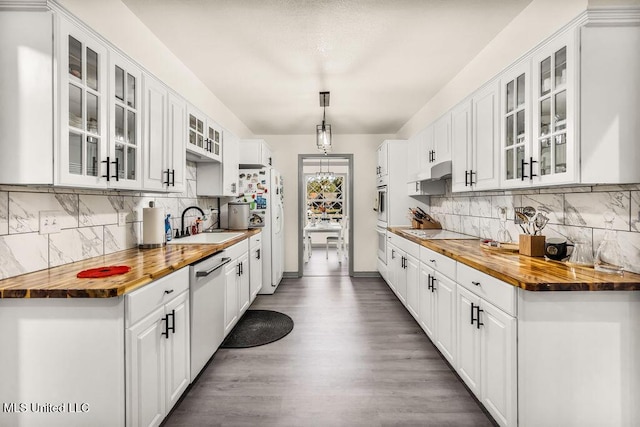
pixel 196 133
pixel 125 124
pixel 554 146
pixel 214 140
pixel 204 137
pixel 517 165
pixel 83 108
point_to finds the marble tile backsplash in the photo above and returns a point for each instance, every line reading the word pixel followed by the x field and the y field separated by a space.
pixel 576 213
pixel 88 221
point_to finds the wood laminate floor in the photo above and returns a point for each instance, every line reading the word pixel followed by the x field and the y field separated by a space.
pixel 355 357
pixel 321 265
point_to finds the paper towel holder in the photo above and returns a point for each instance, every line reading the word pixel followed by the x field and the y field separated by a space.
pixel 148 245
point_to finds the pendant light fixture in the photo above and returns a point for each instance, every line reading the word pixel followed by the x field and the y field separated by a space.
pixel 328 175
pixel 323 131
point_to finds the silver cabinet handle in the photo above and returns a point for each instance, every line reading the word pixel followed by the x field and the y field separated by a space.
pixel 205 273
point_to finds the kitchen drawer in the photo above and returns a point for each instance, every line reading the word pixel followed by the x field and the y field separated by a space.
pixel 405 245
pixel 236 251
pixel 143 301
pixel 492 290
pixel 439 262
pixel 255 240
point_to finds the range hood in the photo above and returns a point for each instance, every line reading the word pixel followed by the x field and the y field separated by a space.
pixel 437 172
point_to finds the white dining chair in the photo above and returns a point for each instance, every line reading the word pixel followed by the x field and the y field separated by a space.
pixel 306 245
pixel 338 240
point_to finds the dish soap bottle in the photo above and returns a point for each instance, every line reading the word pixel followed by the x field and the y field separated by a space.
pixel 167 227
pixel 609 257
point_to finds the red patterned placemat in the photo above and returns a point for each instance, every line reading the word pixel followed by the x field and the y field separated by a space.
pixel 107 271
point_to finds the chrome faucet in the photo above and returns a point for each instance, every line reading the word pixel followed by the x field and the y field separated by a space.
pixel 185 232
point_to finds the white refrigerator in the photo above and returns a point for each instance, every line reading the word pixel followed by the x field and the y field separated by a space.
pixel 262 188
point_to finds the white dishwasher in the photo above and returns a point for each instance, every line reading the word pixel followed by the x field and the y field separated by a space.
pixel 206 288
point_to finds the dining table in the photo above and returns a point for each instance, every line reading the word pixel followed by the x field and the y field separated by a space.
pixel 320 227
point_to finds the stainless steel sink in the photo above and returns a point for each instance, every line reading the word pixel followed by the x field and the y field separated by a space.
pixel 206 238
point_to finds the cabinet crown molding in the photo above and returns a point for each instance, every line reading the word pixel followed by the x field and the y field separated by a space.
pixel 607 15
pixel 18 5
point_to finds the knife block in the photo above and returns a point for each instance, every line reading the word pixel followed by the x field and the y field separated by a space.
pixel 531 245
pixel 427 225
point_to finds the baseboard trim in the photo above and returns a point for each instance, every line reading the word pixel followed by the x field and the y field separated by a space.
pixel 365 274
pixel 368 274
pixel 290 275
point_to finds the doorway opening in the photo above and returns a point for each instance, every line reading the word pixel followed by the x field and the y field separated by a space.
pixel 325 207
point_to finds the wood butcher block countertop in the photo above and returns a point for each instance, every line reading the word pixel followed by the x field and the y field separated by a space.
pixel 529 273
pixel 146 265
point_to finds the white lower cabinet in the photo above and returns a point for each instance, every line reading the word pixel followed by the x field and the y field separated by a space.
pixel 468 315
pixel 404 271
pixel 230 297
pixel 487 356
pixel 391 266
pixel 468 365
pixel 405 276
pixel 411 277
pixel 236 285
pixel 244 286
pixel 255 266
pixel 157 348
pixel 445 290
pixel 437 310
pixel 427 302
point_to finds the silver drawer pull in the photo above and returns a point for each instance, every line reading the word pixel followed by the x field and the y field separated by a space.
pixel 205 273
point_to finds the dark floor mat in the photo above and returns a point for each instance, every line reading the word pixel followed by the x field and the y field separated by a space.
pixel 258 327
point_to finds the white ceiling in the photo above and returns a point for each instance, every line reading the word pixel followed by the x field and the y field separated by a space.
pixel 266 60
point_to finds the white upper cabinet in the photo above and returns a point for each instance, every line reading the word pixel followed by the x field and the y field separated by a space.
pixel 568 113
pixel 425 153
pixel 164 131
pixel 83 156
pixel 175 162
pixel 230 167
pixel 419 152
pixel 475 141
pixel 413 163
pixel 220 179
pixel 155 133
pixel 255 153
pixel 441 151
pixel 483 173
pixel 125 123
pixel 204 137
pixel 515 123
pixel 89 105
pixel 554 115
pixel 382 165
pixel 610 103
pixel 461 146
pixel 26 111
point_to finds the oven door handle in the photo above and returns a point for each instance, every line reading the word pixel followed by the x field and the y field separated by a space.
pixel 205 273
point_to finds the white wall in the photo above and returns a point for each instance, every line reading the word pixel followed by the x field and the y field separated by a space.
pixel 363 147
pixel 116 23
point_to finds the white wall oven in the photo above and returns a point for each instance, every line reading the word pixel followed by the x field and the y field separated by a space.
pixel 381 206
pixel 382 244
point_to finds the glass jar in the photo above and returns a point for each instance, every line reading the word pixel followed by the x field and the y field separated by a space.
pixel 609 257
